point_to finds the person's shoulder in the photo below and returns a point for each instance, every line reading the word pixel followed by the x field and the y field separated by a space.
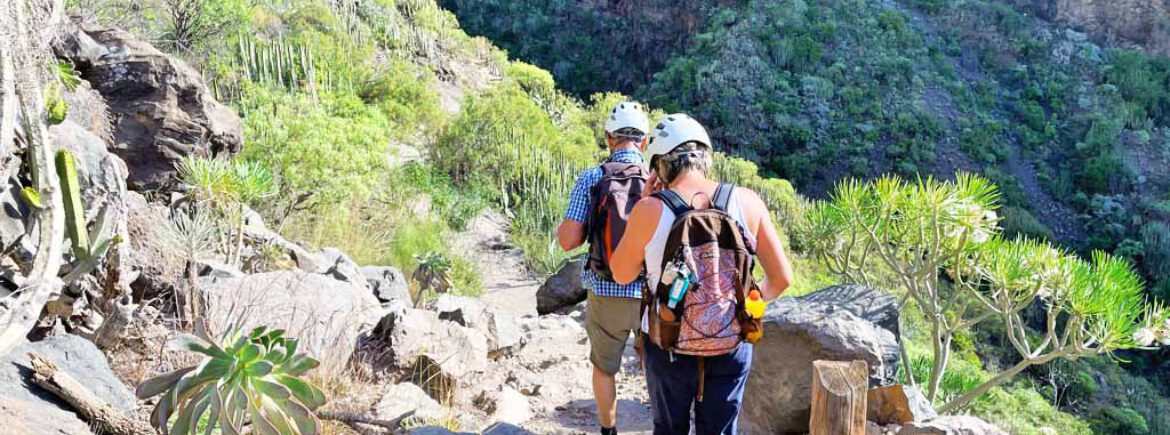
pixel 747 195
pixel 750 200
pixel 593 172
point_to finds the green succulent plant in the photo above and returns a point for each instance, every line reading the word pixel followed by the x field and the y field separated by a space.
pixel 252 378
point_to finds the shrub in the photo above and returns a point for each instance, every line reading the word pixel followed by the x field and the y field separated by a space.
pixel 1118 420
pixel 1019 222
pixel 333 149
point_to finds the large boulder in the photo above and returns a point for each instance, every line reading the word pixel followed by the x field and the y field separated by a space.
pixel 399 399
pixel 156 266
pixel 419 343
pixel 830 324
pixel 327 315
pixel 562 290
pixel 952 425
pixel 161 108
pixel 100 174
pixel 387 283
pixel 338 265
pixel 29 409
pixel 500 327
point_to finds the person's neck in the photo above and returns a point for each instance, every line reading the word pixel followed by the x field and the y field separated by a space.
pixel 624 147
pixel 688 178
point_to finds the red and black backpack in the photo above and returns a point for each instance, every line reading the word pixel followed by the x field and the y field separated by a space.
pixel 612 201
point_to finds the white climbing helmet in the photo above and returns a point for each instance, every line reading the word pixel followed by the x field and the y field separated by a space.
pixel 627 115
pixel 674 130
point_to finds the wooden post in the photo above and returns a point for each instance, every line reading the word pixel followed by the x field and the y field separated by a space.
pixel 838 398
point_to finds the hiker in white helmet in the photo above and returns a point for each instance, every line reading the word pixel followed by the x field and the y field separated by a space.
pixel 695 241
pixel 599 205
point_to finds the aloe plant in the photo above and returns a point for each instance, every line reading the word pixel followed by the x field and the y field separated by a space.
pixel 252 378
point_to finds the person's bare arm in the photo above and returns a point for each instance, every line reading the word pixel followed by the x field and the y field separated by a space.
pixel 769 251
pixel 571 234
pixel 627 260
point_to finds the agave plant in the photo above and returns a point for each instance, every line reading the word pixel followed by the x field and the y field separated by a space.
pixel 248 379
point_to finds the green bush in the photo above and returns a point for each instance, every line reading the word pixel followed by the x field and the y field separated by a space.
pixel 1019 222
pixel 1118 420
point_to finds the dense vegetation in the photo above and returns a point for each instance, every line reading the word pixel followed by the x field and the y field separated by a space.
pixel 385 129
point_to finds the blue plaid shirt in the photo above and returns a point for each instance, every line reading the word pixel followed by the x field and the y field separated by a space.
pixel 578 211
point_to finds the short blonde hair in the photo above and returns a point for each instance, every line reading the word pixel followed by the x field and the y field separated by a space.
pixel 690 156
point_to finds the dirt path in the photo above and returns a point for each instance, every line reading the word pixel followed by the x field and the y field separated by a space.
pixel 555 359
pixel 508 284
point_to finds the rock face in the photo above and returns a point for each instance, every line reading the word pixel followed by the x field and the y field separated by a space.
pixel 898 404
pixel 37 411
pixel 157 267
pixel 500 327
pixel 405 397
pixel 952 425
pixel 562 290
pixel 387 283
pixel 830 324
pixel 161 108
pixel 341 267
pixel 325 314
pixel 1139 21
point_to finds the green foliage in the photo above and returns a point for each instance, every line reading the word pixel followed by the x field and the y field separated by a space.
pixel 407 95
pixel 188 25
pixel 67 75
pixel 243 379
pixel 919 229
pixel 1155 238
pixel 225 183
pixel 1018 222
pixel 56 109
pixel 334 150
pixel 431 239
pixel 1019 409
pixel 532 80
pixel 1119 420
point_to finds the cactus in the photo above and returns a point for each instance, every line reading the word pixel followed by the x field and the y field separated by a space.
pixel 32 198
pixel 74 212
pixel 55 107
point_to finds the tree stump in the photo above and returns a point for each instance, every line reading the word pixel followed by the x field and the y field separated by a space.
pixel 838 398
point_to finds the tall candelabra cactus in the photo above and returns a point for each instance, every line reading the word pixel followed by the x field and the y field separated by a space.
pixel 919 230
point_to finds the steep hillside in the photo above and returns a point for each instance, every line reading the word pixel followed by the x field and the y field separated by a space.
pixel 1144 24
pixel 818 90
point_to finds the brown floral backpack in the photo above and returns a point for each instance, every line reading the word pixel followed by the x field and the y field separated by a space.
pixel 710 318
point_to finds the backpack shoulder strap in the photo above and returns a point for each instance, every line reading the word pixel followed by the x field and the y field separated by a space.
pixel 673 201
pixel 723 196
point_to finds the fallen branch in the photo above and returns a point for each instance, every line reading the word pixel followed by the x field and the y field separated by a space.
pixel 100 415
pixel 355 421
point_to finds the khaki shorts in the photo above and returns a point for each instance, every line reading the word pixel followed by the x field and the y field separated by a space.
pixel 609 321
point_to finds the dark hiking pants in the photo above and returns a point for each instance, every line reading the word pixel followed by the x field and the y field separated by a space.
pixel 673 386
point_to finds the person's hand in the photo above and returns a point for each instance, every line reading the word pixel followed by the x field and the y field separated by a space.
pixel 653 184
